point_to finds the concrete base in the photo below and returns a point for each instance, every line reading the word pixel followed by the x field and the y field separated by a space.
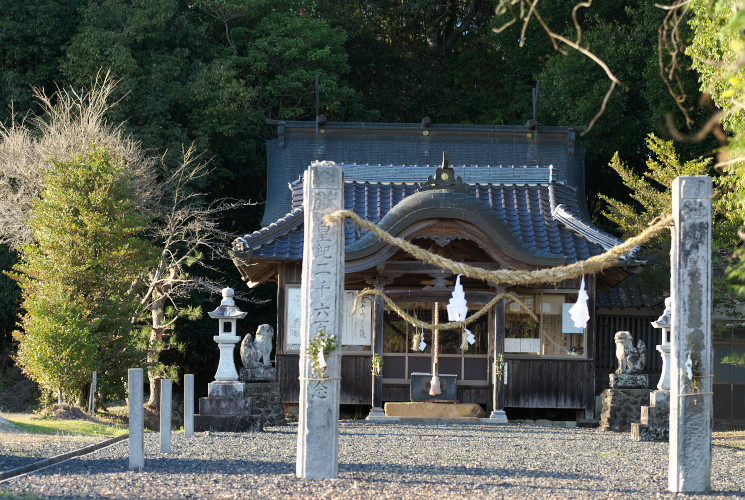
pixel 434 410
pixel 225 406
pixel 225 389
pixel 498 417
pixel 375 413
pixel 228 423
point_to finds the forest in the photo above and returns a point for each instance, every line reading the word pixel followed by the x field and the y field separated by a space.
pixel 205 75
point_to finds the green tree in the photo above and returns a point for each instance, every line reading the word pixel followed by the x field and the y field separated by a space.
pixel 573 86
pixel 651 197
pixel 33 35
pixel 78 276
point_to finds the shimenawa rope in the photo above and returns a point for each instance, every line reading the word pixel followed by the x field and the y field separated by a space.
pixel 442 326
pixel 592 265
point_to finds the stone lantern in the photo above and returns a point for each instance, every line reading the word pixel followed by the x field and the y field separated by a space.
pixel 226 407
pixel 663 322
pixel 228 314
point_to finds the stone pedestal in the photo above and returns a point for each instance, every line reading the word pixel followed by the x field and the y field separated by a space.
pixel 227 409
pixel 622 402
pixel 259 374
pixel 628 381
pixel 267 401
pixel 654 421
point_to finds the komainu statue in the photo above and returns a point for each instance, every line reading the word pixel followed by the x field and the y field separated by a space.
pixel 630 359
pixel 255 351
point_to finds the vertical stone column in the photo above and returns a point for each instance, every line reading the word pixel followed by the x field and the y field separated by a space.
pixel 136 419
pixel 189 404
pixel 691 349
pixel 166 386
pixel 322 293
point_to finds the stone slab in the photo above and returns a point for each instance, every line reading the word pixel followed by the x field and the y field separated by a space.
pixel 655 417
pixel 225 406
pixel 628 381
pixel 225 390
pixel 642 432
pixel 258 374
pixel 228 423
pixel 660 399
pixel 434 410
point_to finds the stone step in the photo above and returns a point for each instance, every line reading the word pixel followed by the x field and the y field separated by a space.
pixel 434 410
pixel 225 406
pixel 655 417
pixel 641 432
pixel 228 423
pixel 660 399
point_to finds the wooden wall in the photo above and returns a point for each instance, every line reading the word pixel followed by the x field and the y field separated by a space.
pixel 640 327
pixel 550 383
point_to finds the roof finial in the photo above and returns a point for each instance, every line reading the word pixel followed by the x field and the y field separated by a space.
pixel 444 178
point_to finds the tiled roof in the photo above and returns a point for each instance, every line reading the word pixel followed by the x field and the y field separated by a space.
pixel 631 292
pixel 297 145
pixel 539 214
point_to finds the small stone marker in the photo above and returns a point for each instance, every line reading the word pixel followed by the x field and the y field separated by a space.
pixel 189 404
pixel 165 415
pixel 691 347
pixel 136 420
pixel 321 291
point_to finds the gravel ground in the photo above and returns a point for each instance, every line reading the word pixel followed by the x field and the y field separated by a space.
pixel 388 460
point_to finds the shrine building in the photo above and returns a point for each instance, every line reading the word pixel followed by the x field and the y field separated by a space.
pixel 510 197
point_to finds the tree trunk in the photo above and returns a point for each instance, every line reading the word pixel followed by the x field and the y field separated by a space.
pixel 156 337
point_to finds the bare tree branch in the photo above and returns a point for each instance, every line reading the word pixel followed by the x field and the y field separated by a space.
pixel 528 10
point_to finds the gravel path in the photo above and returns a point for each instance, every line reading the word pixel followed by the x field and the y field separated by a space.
pixel 386 460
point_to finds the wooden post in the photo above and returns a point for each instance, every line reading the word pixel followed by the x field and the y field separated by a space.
pixel 377 381
pixel 691 392
pixel 322 300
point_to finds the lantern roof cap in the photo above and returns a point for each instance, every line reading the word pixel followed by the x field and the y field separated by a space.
pixel 664 320
pixel 227 308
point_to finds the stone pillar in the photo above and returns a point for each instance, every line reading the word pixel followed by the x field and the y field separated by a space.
pixel 322 292
pixel 136 419
pixel 189 404
pixel 165 415
pixel 691 348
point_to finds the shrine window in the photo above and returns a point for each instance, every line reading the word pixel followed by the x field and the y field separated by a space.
pixel 553 335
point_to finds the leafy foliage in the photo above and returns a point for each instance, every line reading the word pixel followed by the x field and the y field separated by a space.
pixel 651 197
pixel 78 276
pixel 717 50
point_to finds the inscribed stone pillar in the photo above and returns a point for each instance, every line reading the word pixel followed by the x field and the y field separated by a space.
pixel 691 351
pixel 321 304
